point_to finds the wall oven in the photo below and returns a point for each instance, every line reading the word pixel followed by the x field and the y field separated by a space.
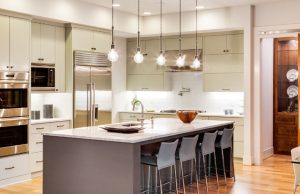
pixel 43 77
pixel 13 136
pixel 14 94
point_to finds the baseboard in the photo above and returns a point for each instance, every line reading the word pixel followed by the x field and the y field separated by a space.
pixel 37 174
pixel 268 153
pixel 15 180
pixel 247 160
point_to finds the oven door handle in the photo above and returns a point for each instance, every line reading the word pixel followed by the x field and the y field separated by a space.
pixel 14 84
pixel 17 121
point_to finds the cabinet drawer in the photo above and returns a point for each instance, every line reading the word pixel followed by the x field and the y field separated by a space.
pixel 36 143
pixel 14 166
pixel 238 149
pixel 39 128
pixel 288 131
pixel 60 125
pixel 237 121
pixel 291 120
pixel 238 133
pixel 36 162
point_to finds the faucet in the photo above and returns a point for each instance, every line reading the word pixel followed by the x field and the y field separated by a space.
pixel 142 112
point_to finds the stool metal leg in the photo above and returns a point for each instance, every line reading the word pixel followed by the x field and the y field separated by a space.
pixel 171 178
pixel 175 174
pixel 209 164
pixel 160 183
pixel 216 168
pixel 231 153
pixel 182 176
pixel 197 181
pixel 224 170
pixel 203 157
pixel 148 179
pixel 192 171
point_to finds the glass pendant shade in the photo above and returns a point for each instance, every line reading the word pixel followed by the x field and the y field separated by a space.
pixel 113 55
pixel 180 60
pixel 196 63
pixel 138 57
pixel 161 59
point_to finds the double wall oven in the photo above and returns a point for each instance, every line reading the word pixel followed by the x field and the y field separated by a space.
pixel 14 113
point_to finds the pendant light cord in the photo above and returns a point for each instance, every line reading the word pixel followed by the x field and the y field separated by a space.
pixel 197 28
pixel 138 38
pixel 112 21
pixel 161 26
pixel 180 27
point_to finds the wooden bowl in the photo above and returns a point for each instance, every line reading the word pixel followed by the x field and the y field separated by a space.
pixel 186 116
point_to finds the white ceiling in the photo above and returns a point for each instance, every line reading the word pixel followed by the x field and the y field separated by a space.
pixel 171 6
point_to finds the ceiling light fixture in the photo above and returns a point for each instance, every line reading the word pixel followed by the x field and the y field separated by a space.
pixel 181 58
pixel 200 7
pixel 161 59
pixel 147 13
pixel 196 63
pixel 116 5
pixel 138 57
pixel 113 54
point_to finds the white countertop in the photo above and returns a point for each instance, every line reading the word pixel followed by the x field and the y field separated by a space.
pixel 199 114
pixel 53 120
pixel 162 128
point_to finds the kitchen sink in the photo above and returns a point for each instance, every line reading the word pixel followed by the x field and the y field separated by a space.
pixel 131 124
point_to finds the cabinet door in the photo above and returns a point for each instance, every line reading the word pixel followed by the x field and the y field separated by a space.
pixel 230 63
pixel 149 65
pixel 227 82
pixel 4 43
pixel 60 64
pixel 20 44
pixel 132 67
pixel 48 44
pixel 82 39
pixel 35 43
pixel 235 43
pixel 172 44
pixel 190 43
pixel 145 82
pixel 214 45
pixel 102 42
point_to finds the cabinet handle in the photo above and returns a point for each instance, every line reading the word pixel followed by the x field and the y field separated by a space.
pixel 94 49
pixel 60 125
pixel 39 161
pixel 145 88
pixel 10 168
pixel 227 51
pixel 132 116
pixel 224 51
pixel 7 67
pixel 39 128
pixel 11 67
pixel 39 142
pixel 225 89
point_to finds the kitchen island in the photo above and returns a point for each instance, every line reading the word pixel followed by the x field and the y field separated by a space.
pixel 93 161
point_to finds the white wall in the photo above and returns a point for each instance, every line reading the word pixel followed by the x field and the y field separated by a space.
pixel 267 96
pixel 69 11
pixel 62 103
pixel 213 102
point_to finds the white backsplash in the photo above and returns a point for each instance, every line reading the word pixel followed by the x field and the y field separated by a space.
pixel 213 102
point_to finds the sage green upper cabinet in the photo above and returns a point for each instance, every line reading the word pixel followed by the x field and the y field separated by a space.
pixel 224 44
pixel 187 43
pixel 214 45
pixel 230 63
pixel 88 40
pixel 4 43
pixel 102 42
pixel 42 43
pixel 60 57
pixel 235 43
pixel 19 44
pixel 82 39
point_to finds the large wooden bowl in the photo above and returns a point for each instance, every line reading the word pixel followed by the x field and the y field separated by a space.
pixel 186 116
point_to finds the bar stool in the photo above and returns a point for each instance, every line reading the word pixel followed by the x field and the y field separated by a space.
pixel 225 143
pixel 207 148
pixel 187 152
pixel 164 159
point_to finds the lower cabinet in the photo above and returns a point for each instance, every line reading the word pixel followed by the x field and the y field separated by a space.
pixel 36 142
pixel 14 166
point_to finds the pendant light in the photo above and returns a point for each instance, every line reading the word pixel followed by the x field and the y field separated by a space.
pixel 181 58
pixel 196 63
pixel 138 57
pixel 112 55
pixel 161 59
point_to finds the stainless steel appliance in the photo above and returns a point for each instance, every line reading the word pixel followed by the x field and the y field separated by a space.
pixel 13 135
pixel 92 73
pixel 43 77
pixel 14 94
pixel 48 111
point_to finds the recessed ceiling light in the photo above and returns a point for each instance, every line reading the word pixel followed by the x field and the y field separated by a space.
pixel 116 5
pixel 200 7
pixel 147 13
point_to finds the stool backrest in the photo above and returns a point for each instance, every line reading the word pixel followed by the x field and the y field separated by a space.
pixel 166 154
pixel 226 139
pixel 208 143
pixel 187 149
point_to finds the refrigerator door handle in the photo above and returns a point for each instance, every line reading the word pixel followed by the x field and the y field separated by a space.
pixel 96 112
pixel 90 105
pixel 93 89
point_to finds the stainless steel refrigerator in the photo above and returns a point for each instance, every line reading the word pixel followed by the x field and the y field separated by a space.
pixel 92 74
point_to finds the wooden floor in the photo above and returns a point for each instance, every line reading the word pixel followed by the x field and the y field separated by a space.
pixel 275 176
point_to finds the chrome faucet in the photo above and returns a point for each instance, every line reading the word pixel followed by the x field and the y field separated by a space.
pixel 142 112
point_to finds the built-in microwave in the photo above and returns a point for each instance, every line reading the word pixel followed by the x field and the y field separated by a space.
pixel 43 77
